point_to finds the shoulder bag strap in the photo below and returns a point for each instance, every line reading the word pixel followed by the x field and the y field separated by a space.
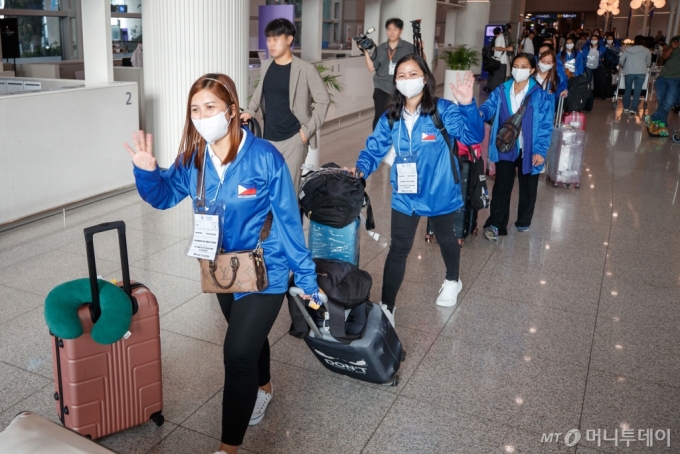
pixel 453 148
pixel 200 185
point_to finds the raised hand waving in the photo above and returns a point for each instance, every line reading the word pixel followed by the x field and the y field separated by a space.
pixel 142 154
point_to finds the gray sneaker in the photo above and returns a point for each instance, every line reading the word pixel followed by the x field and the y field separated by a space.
pixel 491 233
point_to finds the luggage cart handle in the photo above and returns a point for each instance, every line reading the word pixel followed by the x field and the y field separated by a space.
pixel 297 293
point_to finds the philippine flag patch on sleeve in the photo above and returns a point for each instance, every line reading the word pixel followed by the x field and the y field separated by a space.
pixel 428 137
pixel 246 191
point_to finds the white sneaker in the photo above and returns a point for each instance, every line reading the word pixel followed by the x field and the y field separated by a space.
pixel 220 452
pixel 448 294
pixel 261 403
pixel 389 314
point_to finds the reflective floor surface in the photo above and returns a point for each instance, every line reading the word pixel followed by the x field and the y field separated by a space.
pixel 573 325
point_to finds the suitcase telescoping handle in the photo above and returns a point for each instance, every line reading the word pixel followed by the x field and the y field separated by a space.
pixel 297 293
pixel 92 266
pixel 560 111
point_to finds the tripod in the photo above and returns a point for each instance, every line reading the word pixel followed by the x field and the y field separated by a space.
pixel 417 37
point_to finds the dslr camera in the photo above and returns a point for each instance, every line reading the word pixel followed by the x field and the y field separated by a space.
pixel 363 41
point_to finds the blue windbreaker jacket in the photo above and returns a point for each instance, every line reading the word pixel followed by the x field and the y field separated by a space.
pixel 578 63
pixel 437 193
pixel 537 124
pixel 257 166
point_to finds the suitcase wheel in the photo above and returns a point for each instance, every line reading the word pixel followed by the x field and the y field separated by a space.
pixel 568 185
pixel 556 184
pixel 158 419
pixel 403 355
pixel 395 381
pixel 577 185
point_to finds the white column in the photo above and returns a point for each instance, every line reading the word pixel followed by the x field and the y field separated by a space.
pixel 97 45
pixel 372 19
pixel 184 40
pixel 312 28
pixel 450 32
pixel 672 11
pixel 408 10
pixel 676 22
pixel 470 25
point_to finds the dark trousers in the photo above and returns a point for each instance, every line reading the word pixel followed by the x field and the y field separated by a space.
pixel 403 232
pixel 496 78
pixel 502 190
pixel 246 358
pixel 380 100
pixel 589 74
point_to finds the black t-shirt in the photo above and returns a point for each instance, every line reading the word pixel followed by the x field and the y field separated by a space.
pixel 279 122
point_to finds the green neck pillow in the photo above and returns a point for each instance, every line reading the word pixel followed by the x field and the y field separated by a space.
pixel 63 302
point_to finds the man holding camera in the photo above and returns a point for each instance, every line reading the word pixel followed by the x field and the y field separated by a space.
pixel 382 60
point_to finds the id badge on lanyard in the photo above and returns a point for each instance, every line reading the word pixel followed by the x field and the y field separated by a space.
pixel 206 239
pixel 407 170
pixel 393 66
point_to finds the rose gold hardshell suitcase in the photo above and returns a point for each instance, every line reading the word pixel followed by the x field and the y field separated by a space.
pixel 103 389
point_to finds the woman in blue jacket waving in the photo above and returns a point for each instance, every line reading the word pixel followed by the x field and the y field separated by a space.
pixel 250 178
pixel 527 155
pixel 422 177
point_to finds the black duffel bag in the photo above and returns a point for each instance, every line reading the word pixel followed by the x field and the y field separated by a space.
pixel 347 287
pixel 334 198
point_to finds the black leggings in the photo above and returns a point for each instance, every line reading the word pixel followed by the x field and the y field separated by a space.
pixel 403 232
pixel 246 358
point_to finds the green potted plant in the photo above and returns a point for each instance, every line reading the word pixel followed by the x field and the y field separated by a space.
pixel 459 60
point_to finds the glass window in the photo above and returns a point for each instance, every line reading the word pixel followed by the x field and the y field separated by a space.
pixel 40 5
pixel 125 34
pixel 39 38
pixel 126 6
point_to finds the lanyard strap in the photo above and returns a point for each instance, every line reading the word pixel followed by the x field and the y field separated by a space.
pixel 391 54
pixel 200 202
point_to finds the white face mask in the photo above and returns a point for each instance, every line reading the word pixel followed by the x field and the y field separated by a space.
pixel 411 87
pixel 520 74
pixel 570 46
pixel 593 42
pixel 214 128
pixel 610 41
pixel 545 67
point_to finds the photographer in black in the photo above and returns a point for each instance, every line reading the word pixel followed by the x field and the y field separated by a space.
pixel 382 60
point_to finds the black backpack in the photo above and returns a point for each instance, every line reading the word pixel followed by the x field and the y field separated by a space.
pixel 579 92
pixel 347 288
pixel 334 198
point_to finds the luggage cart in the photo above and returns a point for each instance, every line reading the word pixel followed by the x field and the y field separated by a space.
pixel 621 88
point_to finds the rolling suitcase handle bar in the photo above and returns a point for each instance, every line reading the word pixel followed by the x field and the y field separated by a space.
pixel 92 266
pixel 296 293
pixel 560 111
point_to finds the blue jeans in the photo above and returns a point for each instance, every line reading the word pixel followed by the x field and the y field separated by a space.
pixel 666 95
pixel 589 74
pixel 633 82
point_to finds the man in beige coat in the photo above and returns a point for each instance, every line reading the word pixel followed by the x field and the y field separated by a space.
pixel 287 88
